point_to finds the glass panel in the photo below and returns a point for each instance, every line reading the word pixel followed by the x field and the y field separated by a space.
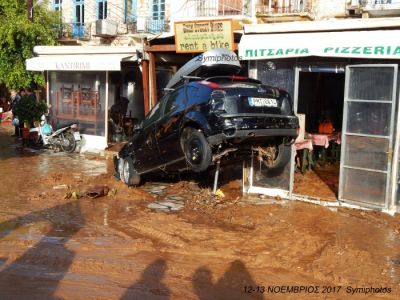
pixel 371 83
pixel 279 73
pixel 364 186
pixel 369 118
pixel 79 97
pixel 266 178
pixel 78 14
pixel 100 16
pixel 366 152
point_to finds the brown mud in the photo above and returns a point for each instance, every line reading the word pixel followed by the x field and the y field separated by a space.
pixel 56 243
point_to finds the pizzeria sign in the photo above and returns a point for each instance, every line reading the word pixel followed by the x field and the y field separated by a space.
pixel 356 44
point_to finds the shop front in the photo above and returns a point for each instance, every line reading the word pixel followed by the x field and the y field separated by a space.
pixel 350 80
pixel 86 85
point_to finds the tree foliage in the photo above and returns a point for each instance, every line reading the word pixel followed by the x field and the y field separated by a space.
pixel 18 36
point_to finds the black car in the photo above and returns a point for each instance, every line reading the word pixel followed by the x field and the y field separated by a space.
pixel 204 120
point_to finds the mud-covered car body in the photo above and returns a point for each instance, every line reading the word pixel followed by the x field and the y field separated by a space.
pixel 204 120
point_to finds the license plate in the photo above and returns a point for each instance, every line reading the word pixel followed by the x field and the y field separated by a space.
pixel 77 136
pixel 258 102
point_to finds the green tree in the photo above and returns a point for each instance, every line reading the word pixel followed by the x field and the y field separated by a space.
pixel 18 36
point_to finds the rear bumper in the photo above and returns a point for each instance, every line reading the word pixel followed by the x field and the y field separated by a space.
pixel 251 134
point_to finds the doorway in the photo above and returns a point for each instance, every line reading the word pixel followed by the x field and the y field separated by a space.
pixel 320 100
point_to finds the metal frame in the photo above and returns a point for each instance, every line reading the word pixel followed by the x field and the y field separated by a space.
pixel 395 162
pixel 306 69
pixel 345 134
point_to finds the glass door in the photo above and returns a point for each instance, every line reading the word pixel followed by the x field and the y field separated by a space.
pixel 78 27
pixel 367 139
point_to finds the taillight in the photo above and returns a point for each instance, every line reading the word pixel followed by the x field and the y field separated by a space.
pixel 210 84
pixel 217 100
pixel 285 106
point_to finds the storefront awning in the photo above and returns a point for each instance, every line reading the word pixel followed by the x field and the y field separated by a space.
pixel 105 62
pixel 382 44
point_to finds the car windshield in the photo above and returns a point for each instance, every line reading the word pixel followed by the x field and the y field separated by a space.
pixel 152 116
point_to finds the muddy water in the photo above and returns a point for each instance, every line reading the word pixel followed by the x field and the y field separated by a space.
pixel 54 246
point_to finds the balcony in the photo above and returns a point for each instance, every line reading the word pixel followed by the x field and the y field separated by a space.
pixel 381 8
pixel 147 25
pixel 74 31
pixel 284 10
pixel 217 8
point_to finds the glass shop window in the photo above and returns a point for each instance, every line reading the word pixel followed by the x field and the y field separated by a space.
pixel 79 97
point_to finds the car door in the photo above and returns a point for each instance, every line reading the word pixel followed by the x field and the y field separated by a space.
pixel 146 150
pixel 167 131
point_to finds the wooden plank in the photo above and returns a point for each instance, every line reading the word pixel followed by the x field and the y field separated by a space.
pixel 152 62
pixel 160 48
pixel 145 77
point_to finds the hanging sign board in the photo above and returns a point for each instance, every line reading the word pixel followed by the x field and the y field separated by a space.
pixel 201 36
pixel 381 44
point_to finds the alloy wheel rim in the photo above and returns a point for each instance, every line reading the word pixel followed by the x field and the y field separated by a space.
pixel 195 151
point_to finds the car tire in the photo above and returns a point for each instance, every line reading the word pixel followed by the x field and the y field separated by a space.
pixel 282 158
pixel 129 175
pixel 196 149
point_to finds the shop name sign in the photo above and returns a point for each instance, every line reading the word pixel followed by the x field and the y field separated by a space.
pixel 72 66
pixel 201 36
pixel 368 44
pixel 376 51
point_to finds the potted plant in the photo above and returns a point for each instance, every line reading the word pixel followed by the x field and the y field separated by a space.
pixel 28 111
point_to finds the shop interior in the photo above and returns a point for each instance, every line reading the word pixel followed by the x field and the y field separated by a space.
pixel 320 109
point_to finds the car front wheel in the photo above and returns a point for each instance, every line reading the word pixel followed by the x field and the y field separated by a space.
pixel 196 148
pixel 129 174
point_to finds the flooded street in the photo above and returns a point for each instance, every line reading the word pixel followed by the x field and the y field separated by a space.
pixel 173 240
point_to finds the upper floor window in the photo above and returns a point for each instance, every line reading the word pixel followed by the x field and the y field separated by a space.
pixel 57 5
pixel 130 10
pixel 158 9
pixel 101 9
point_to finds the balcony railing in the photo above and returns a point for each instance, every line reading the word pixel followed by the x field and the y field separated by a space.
pixel 274 7
pixel 147 24
pixel 74 31
pixel 210 8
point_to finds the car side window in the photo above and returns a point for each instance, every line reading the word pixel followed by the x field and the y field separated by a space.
pixel 153 116
pixel 176 101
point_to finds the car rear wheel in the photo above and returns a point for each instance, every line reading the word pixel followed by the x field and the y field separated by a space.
pixel 275 157
pixel 196 148
pixel 129 175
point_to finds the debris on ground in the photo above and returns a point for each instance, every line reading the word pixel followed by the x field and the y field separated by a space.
pixel 97 191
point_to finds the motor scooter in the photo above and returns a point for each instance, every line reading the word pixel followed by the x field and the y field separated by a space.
pixel 64 138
